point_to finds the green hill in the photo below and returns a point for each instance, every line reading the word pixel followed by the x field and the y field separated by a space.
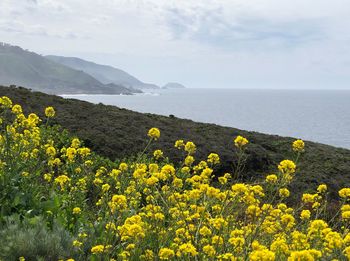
pixel 118 133
pixel 103 73
pixel 24 68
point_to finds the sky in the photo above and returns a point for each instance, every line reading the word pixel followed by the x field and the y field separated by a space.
pixel 274 44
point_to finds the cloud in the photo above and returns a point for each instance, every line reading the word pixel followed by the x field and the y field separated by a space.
pixel 241 31
pixel 21 29
pixel 18 27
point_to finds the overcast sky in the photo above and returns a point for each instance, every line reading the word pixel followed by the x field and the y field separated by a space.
pixel 200 43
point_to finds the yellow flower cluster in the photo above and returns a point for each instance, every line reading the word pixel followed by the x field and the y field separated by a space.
pixel 154 133
pixel 213 158
pixel 190 147
pixel 155 210
pixel 240 142
pixel 50 112
pixel 166 253
pixel 157 154
pixel 298 146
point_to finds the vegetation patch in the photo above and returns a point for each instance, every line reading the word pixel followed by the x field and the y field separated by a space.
pixel 61 201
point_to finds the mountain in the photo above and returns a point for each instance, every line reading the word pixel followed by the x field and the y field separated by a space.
pixel 24 68
pixel 103 73
pixel 173 85
pixel 119 133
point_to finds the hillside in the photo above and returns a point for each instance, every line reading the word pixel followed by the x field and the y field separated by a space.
pixel 24 68
pixel 103 73
pixel 85 207
pixel 118 133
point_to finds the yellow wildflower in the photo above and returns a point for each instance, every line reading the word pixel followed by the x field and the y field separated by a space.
pixel 17 109
pixel 308 255
pixel 76 210
pixel 298 146
pixel 118 202
pixel 209 250
pixel 105 187
pixel 97 249
pixel 47 177
pixel 75 143
pixel 71 152
pixel 154 133
pixel 322 188
pixel 344 193
pixel 271 178
pixel 213 158
pixel 240 142
pixel 158 154
pixel 222 180
pixel 51 151
pixel 166 253
pixel 49 112
pixel 62 180
pixel 77 243
pixel 5 102
pixel 186 249
pixel 190 147
pixel 189 160
pixel 287 167
pixel 179 144
pixel 123 166
pixel 305 214
pixel 284 193
pixel 262 255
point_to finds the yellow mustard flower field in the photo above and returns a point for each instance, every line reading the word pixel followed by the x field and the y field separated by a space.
pixel 147 208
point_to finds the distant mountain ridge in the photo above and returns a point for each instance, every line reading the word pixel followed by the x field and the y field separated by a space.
pixel 104 73
pixel 25 68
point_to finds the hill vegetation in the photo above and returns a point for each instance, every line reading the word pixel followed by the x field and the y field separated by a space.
pixel 119 133
pixel 24 68
pixel 104 73
pixel 61 201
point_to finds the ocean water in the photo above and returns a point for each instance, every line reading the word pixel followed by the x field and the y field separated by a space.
pixel 317 115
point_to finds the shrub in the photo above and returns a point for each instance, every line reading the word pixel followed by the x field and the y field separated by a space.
pixel 33 240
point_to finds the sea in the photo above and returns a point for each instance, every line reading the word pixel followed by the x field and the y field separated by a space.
pixel 317 115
